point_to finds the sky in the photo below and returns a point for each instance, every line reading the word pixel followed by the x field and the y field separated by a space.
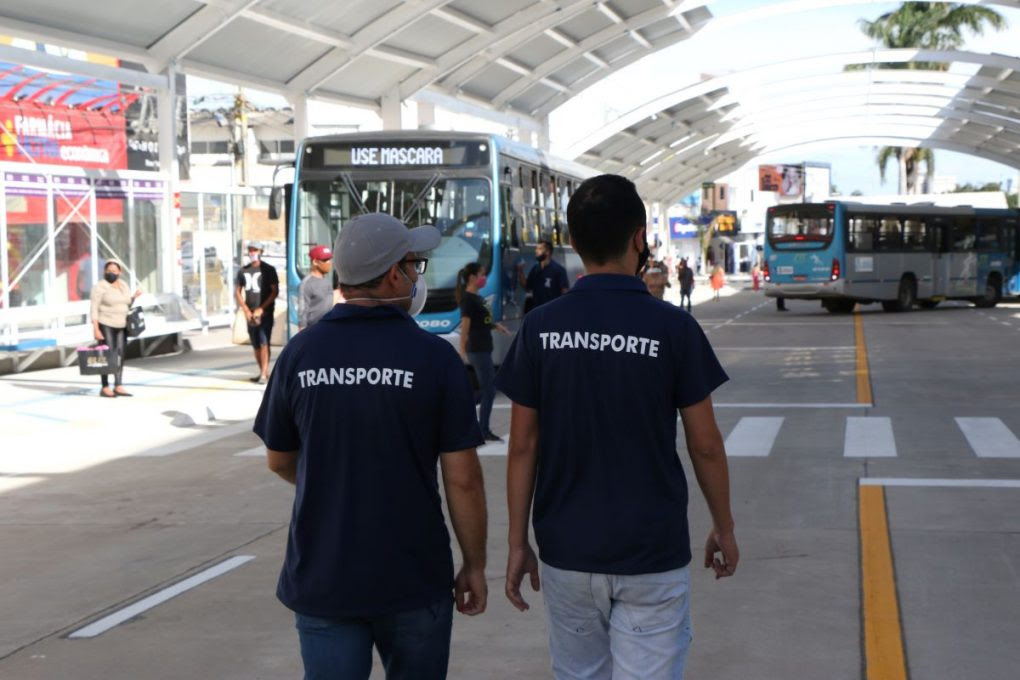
pixel 728 44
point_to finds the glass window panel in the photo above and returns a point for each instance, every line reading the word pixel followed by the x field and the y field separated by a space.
pixel 148 265
pixel 191 285
pixel 76 272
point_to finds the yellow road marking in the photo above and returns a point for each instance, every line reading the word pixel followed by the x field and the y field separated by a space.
pixel 863 374
pixel 883 636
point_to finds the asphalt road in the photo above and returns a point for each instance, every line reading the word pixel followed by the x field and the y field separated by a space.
pixel 922 405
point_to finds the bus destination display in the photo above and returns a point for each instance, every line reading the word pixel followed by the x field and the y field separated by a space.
pixel 369 154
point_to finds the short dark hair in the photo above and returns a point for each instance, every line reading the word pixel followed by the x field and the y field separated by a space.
pixel 367 285
pixel 548 244
pixel 603 214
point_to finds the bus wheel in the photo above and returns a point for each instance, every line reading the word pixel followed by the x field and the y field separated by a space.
pixel 993 293
pixel 906 296
pixel 839 306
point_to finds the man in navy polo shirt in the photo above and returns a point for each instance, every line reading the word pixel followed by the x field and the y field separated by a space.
pixel 596 379
pixel 547 279
pixel 359 409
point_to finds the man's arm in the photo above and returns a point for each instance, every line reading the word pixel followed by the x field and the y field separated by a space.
pixel 239 298
pixel 274 290
pixel 521 276
pixel 708 455
pixel 304 304
pixel 522 462
pixel 283 463
pixel 465 497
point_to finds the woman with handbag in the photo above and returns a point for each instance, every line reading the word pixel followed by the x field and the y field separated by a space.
pixel 111 301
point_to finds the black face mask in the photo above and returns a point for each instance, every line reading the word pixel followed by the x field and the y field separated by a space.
pixel 111 277
pixel 541 257
pixel 642 259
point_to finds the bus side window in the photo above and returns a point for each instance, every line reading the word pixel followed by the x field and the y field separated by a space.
pixel 963 234
pixel 566 189
pixel 914 234
pixel 529 230
pixel 508 230
pixel 988 236
pixel 862 234
pixel 890 236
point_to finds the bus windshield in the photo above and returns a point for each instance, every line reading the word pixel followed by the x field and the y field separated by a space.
pixel 800 228
pixel 459 207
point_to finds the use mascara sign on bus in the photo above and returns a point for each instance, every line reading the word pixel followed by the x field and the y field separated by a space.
pixel 366 154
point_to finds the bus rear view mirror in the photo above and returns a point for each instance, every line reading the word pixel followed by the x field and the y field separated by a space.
pixel 276 203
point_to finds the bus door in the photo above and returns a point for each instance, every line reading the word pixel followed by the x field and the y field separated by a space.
pixel 963 258
pixel 510 246
pixel 939 233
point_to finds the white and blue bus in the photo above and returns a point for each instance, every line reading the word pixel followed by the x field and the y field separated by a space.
pixel 492 199
pixel 842 253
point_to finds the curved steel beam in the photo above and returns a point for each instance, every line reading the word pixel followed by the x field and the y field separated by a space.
pixel 760 73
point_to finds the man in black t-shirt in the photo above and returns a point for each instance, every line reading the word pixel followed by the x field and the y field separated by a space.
pixel 547 279
pixel 255 290
pixel 596 378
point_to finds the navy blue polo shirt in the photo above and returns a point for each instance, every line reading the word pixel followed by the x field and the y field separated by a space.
pixel 607 366
pixel 546 283
pixel 370 401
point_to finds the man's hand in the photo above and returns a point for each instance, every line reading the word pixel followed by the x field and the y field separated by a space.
pixel 725 543
pixel 502 329
pixel 471 591
pixel 256 315
pixel 247 315
pixel 521 561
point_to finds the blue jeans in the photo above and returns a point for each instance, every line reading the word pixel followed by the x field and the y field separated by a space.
pixel 485 372
pixel 413 644
pixel 617 627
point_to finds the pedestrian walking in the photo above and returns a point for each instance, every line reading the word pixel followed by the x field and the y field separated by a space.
pixel 547 279
pixel 360 408
pixel 755 277
pixel 685 277
pixel 718 281
pixel 111 299
pixel 316 292
pixel 476 328
pixel 255 290
pixel 596 379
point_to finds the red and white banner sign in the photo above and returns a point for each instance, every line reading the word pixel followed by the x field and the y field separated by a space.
pixel 60 135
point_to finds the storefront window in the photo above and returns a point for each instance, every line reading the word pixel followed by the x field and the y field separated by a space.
pixel 217 249
pixel 190 263
pixel 145 224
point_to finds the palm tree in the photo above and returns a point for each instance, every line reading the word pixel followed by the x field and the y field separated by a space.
pixel 909 161
pixel 929 26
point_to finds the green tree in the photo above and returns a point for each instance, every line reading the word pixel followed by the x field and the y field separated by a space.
pixel 929 26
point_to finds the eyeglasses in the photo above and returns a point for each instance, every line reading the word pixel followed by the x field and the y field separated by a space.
pixel 420 263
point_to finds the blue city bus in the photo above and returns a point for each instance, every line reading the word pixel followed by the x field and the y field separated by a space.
pixel 492 199
pixel 844 253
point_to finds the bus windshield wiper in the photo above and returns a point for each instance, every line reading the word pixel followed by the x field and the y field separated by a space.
pixel 353 191
pixel 418 199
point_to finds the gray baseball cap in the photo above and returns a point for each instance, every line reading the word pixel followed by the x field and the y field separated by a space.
pixel 370 244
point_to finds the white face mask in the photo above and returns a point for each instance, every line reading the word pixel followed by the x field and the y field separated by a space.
pixel 419 292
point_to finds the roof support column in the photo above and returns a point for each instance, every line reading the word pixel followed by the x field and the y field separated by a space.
pixel 166 110
pixel 426 116
pixel 302 128
pixel 543 134
pixel 389 110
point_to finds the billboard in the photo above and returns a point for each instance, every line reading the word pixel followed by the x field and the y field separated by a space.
pixel 56 118
pixel 785 180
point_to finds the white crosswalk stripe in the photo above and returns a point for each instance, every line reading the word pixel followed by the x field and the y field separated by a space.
pixel 865 437
pixel 753 437
pixel 869 438
pixel 989 437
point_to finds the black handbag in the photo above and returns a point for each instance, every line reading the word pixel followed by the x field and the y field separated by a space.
pixel 98 359
pixel 135 322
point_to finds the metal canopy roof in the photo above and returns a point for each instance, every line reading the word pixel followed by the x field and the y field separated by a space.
pixel 525 56
pixel 669 145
